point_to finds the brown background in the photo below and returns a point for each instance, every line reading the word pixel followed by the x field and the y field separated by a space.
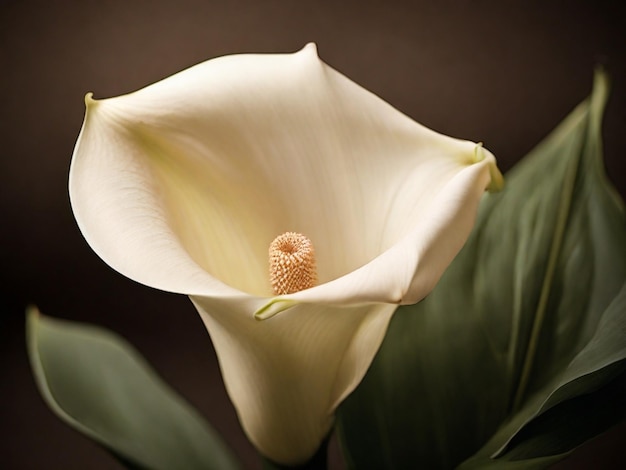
pixel 500 72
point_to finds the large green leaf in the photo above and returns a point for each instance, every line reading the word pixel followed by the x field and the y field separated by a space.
pixel 99 385
pixel 530 315
pixel 580 405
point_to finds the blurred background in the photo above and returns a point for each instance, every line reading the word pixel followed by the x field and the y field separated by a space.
pixel 504 73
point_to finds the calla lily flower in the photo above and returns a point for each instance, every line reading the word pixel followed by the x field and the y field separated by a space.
pixel 183 185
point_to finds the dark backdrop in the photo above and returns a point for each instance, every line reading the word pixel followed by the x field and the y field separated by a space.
pixel 501 72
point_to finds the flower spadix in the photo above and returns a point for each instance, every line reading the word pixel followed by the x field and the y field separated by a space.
pixel 185 184
pixel 292 263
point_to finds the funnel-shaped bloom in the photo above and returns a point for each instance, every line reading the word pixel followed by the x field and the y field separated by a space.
pixel 184 184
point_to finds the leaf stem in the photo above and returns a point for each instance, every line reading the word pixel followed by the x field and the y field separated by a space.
pixel 555 249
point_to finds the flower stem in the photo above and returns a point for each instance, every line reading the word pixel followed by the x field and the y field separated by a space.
pixel 319 461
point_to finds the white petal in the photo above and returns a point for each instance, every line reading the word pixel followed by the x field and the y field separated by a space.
pixel 183 185
pixel 286 376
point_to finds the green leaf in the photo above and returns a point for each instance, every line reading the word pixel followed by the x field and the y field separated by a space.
pixel 530 315
pixel 98 384
pixel 580 406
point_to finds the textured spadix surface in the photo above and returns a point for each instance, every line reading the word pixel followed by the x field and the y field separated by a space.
pixel 184 184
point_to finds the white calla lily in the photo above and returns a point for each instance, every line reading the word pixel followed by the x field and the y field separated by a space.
pixel 184 184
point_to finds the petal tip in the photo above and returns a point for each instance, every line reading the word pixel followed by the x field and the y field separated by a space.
pixel 89 100
pixel 273 307
pixel 496 180
pixel 479 153
pixel 311 49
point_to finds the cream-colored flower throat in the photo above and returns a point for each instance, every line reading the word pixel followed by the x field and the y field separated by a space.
pixel 292 263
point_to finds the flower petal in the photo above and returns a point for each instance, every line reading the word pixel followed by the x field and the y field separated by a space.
pixel 410 269
pixel 287 376
pixel 120 210
pixel 183 185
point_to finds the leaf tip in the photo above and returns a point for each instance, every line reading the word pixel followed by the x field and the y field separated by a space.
pixel 32 318
pixel 32 312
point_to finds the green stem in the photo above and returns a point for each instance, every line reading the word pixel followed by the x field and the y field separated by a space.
pixel 319 461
